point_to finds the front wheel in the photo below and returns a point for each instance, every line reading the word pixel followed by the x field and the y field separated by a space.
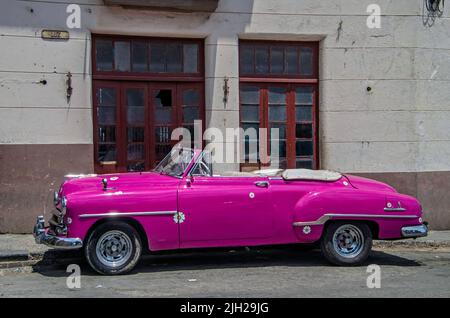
pixel 346 243
pixel 113 248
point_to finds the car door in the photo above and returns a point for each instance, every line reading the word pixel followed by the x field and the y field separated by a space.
pixel 221 211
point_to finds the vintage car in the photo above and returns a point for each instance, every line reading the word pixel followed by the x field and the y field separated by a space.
pixel 182 204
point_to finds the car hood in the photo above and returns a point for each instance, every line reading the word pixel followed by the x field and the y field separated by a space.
pixel 124 182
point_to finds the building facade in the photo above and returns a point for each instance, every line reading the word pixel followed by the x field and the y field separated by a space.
pixel 349 90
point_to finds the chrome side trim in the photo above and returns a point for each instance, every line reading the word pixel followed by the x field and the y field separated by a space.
pixel 118 214
pixel 394 209
pixel 329 216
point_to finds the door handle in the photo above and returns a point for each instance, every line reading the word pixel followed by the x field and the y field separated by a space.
pixel 262 184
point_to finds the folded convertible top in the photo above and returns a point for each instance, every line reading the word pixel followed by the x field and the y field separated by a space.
pixel 306 174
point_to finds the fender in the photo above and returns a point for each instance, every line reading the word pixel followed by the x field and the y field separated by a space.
pixel 315 209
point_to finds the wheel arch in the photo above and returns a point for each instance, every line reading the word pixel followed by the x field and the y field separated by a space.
pixel 130 221
pixel 373 225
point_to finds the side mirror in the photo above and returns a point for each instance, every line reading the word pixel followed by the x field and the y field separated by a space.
pixel 189 181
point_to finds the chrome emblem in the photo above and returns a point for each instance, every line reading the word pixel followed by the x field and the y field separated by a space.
pixel 307 229
pixel 179 217
pixel 251 195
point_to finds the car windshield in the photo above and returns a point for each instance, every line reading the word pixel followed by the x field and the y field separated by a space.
pixel 176 162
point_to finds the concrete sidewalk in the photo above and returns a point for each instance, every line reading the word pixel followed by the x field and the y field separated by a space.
pixel 21 250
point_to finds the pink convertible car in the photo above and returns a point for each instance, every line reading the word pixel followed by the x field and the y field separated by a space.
pixel 182 204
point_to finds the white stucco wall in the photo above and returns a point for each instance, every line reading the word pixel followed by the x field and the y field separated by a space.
pixel 402 125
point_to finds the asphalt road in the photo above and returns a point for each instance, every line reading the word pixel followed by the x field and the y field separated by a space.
pixel 269 272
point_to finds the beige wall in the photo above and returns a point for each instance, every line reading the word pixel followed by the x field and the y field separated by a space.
pixel 402 125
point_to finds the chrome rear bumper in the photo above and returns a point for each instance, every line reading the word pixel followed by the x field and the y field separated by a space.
pixel 42 237
pixel 415 231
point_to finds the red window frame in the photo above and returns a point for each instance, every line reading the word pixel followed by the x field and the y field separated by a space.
pixel 120 81
pixel 148 76
pixel 290 82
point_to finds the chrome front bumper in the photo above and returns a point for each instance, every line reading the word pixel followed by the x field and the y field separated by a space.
pixel 415 231
pixel 42 237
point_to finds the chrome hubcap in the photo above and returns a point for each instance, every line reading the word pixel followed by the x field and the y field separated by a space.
pixel 114 248
pixel 348 241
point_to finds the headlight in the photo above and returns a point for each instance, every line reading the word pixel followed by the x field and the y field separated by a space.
pixel 63 205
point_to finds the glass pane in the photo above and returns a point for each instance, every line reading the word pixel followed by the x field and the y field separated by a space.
pixel 277 95
pixel 262 60
pixel 250 130
pixel 250 113
pixel 303 131
pixel 104 55
pixel 162 150
pixel 190 58
pixel 163 98
pixel 137 166
pixel 122 56
pixel 135 106
pixel 250 95
pixel 163 116
pixel 174 58
pixel 304 95
pixel 303 113
pixel 277 113
pixel 106 115
pixel 190 114
pixel 282 148
pixel 303 163
pixel 135 115
pixel 107 134
pixel 276 60
pixel 251 150
pixel 139 56
pixel 135 97
pixel 162 134
pixel 304 148
pixel 106 97
pixel 281 130
pixel 191 97
pixel 246 58
pixel 135 152
pixel 106 153
pixel 306 61
pixel 291 60
pixel 135 134
pixel 157 57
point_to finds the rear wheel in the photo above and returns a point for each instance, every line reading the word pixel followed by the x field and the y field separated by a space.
pixel 113 248
pixel 346 243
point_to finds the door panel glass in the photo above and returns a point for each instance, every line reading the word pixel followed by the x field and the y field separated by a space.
pixel 303 131
pixel 191 97
pixel 106 123
pixel 135 104
pixel 190 113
